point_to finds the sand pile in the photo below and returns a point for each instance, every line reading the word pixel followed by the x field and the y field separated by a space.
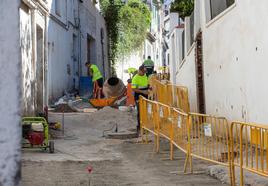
pixel 107 117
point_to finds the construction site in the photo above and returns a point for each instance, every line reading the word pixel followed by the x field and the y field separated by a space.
pixel 133 93
pixel 95 141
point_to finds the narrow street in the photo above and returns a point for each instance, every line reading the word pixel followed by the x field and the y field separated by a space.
pixel 133 93
pixel 113 161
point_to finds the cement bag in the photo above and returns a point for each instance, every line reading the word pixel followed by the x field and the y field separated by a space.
pixel 113 87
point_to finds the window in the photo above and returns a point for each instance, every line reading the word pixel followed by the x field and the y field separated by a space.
pixel 218 6
pixel 58 7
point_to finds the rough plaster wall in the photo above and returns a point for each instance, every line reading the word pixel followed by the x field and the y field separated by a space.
pixel 60 55
pixel 10 66
pixel 187 77
pixel 28 80
pixel 60 44
pixel 88 27
pixel 60 49
pixel 235 63
pixel 91 23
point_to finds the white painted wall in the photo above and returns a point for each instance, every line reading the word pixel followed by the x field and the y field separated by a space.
pixel 174 21
pixel 28 66
pixel 64 53
pixel 91 23
pixel 235 65
pixel 186 76
pixel 175 53
pixel 235 68
pixel 10 93
pixel 135 60
pixel 60 45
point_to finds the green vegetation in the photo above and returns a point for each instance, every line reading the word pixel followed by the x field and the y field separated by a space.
pixel 183 7
pixel 127 26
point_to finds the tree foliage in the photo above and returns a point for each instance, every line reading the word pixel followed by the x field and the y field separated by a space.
pixel 183 7
pixel 110 10
pixel 135 19
pixel 127 26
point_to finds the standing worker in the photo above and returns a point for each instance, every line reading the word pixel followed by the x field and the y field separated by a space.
pixel 140 88
pixel 97 79
pixel 149 65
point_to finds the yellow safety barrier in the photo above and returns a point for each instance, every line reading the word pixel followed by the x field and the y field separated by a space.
pixel 197 135
pixel 164 121
pixel 181 99
pixel 168 94
pixel 210 139
pixel 249 148
pixel 148 110
pixel 179 131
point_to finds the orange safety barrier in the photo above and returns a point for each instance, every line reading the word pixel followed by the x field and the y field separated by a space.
pixel 249 149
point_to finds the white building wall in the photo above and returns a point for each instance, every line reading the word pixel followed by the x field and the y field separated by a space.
pixel 60 34
pixel 28 66
pixel 135 60
pixel 235 56
pixel 33 55
pixel 67 44
pixel 186 76
pixel 186 68
pixel 10 93
pixel 175 52
pixel 174 21
pixel 91 24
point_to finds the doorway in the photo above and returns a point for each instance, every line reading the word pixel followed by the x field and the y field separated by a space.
pixel 91 49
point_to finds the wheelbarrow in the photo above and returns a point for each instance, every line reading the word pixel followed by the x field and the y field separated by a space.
pixel 102 102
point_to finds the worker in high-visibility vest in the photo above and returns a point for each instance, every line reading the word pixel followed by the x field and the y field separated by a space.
pixel 97 78
pixel 149 65
pixel 140 88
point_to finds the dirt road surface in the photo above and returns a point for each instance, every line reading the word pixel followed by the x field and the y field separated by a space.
pixel 113 162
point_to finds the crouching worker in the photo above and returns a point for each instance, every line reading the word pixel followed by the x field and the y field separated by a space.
pixel 97 79
pixel 140 88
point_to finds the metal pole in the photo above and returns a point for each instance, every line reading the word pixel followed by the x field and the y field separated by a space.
pixel 62 121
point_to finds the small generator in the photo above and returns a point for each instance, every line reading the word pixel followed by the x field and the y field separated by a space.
pixel 35 134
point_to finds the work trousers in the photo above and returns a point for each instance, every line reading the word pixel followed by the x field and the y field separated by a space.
pixel 138 115
pixel 138 109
